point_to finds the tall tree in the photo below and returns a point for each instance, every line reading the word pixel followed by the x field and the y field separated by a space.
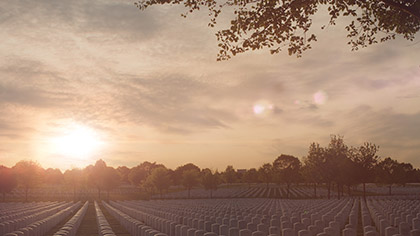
pixel 265 173
pixel 287 24
pixel 179 171
pixel 53 176
pixel 160 179
pixel 8 181
pixel 210 181
pixel 190 179
pixel 28 174
pixel 111 179
pixel 229 175
pixel 74 179
pixel 251 176
pixel 98 176
pixel 315 165
pixel 336 159
pixel 365 159
pixel 387 172
pixel 287 170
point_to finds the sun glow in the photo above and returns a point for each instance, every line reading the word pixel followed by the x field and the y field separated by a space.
pixel 77 141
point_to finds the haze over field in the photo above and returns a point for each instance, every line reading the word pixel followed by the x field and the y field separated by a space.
pixel 88 79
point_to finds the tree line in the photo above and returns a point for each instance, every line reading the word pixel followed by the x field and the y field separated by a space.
pixel 336 165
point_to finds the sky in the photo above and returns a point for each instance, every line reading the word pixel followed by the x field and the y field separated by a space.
pixel 88 79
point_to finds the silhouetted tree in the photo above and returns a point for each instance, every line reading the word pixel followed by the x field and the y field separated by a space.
pixel 251 176
pixel 160 179
pixel 210 181
pixel 140 173
pixel 287 170
pixel 28 174
pixel 179 171
pixel 336 159
pixel 8 181
pixel 98 176
pixel 387 172
pixel 316 165
pixel 123 172
pixel 265 173
pixel 190 179
pixel 53 176
pixel 287 24
pixel 111 179
pixel 365 160
pixel 229 175
pixel 74 179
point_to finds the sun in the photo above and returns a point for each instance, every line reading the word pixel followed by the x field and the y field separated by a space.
pixel 77 141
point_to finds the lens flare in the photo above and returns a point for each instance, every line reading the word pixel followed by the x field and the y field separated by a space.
pixel 262 107
pixel 320 97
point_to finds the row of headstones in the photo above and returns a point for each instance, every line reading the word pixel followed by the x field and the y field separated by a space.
pixel 388 223
pixel 104 228
pixel 395 190
pixel 200 214
pixel 71 226
pixel 41 227
pixel 8 208
pixel 22 220
pixel 132 225
pixel 25 210
pixel 252 226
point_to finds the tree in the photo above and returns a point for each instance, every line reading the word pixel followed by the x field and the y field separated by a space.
pixel 287 170
pixel 140 173
pixel 190 178
pixel 336 163
pixel 53 176
pixel 160 179
pixel 111 179
pixel 387 171
pixel 8 181
pixel 265 173
pixel 365 160
pixel 73 178
pixel 315 165
pixel 28 175
pixel 123 172
pixel 229 175
pixel 210 181
pixel 251 176
pixel 179 171
pixel 259 24
pixel 97 176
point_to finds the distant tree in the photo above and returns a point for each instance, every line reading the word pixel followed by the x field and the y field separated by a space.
pixel 265 173
pixel 210 181
pixel 8 181
pixel 365 160
pixel 53 176
pixel 74 179
pixel 179 172
pixel 190 179
pixel 387 172
pixel 229 175
pixel 251 176
pixel 98 176
pixel 315 165
pixel 111 179
pixel 123 172
pixel 286 168
pixel 28 175
pixel 336 158
pixel 160 179
pixel 140 173
pixel 287 24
